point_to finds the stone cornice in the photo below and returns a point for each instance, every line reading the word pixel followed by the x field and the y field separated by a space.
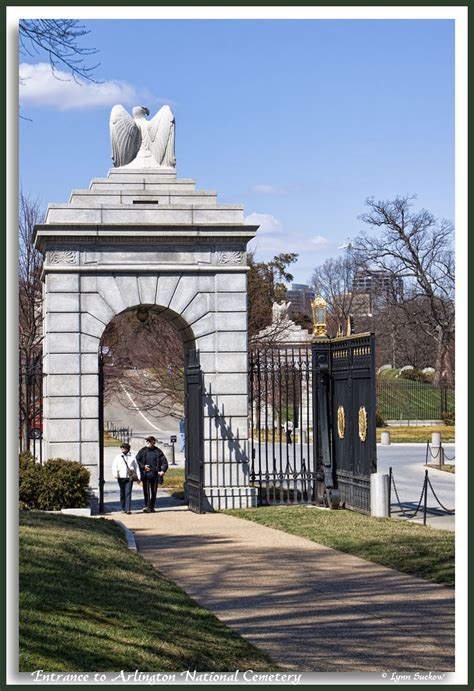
pixel 91 234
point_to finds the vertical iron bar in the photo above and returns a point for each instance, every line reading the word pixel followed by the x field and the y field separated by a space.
pixel 309 410
pixel 251 391
pixel 286 406
pixel 300 419
pixel 274 463
pixel 101 434
pixel 280 410
pixel 259 420
pixel 293 383
pixel 265 393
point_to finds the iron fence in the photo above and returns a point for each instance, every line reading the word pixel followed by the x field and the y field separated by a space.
pixel 30 424
pixel 123 434
pixel 281 425
pixel 403 399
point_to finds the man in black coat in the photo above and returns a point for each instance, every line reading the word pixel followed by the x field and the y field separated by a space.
pixel 153 465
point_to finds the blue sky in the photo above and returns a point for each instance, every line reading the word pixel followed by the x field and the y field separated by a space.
pixel 299 120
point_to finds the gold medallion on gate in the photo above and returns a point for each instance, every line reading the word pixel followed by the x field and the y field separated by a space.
pixel 341 422
pixel 362 423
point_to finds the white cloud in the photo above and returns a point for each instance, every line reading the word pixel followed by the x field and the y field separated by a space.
pixel 40 87
pixel 269 189
pixel 267 222
pixel 319 241
pixel 312 251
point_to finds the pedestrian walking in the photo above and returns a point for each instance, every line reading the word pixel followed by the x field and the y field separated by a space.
pixel 182 433
pixel 125 469
pixel 153 465
pixel 289 431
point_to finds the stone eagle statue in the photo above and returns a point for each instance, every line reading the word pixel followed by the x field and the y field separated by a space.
pixel 280 312
pixel 141 143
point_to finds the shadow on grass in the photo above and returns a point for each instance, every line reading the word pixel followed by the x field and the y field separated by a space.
pixel 87 603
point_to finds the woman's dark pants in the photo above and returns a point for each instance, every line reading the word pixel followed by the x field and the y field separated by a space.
pixel 125 493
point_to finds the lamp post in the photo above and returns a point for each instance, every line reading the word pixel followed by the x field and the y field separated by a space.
pixel 319 308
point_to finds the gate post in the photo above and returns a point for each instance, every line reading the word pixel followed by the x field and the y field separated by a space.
pixel 326 492
pixel 194 416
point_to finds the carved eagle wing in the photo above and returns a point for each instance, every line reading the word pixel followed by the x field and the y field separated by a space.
pixel 161 133
pixel 125 136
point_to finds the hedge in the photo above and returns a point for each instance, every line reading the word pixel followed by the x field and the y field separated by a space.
pixel 55 485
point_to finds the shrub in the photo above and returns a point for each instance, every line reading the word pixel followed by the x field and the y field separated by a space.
pixel 58 484
pixel 379 421
pixel 30 481
pixel 416 375
pixel 449 419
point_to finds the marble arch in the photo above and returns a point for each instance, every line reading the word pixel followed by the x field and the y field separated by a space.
pixel 144 237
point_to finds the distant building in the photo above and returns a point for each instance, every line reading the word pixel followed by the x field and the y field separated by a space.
pixel 300 296
pixel 378 287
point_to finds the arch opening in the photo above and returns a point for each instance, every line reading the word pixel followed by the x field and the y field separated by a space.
pixel 143 353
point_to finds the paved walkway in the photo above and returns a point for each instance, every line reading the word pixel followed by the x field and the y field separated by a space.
pixel 312 608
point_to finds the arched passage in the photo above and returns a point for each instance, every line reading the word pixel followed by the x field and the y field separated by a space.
pixel 148 366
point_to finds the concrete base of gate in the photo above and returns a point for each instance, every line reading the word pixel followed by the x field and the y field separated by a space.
pixel 220 498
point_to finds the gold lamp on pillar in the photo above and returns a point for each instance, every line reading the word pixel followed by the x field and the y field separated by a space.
pixel 319 308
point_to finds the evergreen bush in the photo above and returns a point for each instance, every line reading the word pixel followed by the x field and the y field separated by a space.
pixel 449 419
pixel 58 484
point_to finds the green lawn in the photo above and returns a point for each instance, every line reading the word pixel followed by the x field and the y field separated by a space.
pixel 402 399
pixel 418 434
pixel 109 440
pixel 447 468
pixel 407 547
pixel 89 604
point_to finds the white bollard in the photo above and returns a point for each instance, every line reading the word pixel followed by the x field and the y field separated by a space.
pixel 379 494
pixel 436 439
pixel 385 438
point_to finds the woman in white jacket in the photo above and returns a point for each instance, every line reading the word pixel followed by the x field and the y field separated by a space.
pixel 122 463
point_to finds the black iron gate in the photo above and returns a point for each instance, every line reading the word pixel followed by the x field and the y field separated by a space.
pixel 344 419
pixel 280 416
pixel 194 434
pixel 312 422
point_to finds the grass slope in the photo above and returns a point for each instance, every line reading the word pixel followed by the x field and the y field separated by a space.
pixel 407 547
pixel 88 604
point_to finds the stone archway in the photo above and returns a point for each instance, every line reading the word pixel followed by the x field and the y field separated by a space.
pixel 142 237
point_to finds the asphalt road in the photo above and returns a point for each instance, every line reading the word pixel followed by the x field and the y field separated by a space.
pixel 142 423
pixel 408 467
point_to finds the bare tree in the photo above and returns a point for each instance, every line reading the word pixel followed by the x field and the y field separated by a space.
pixel 418 248
pixel 334 280
pixel 30 262
pixel 60 39
pixel 144 364
pixel 30 291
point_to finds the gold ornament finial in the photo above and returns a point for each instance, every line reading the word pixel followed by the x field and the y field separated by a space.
pixel 349 326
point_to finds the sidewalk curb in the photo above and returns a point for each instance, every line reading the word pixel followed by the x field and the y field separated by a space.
pixel 129 535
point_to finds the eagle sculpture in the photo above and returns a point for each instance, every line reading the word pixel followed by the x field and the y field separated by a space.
pixel 141 143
